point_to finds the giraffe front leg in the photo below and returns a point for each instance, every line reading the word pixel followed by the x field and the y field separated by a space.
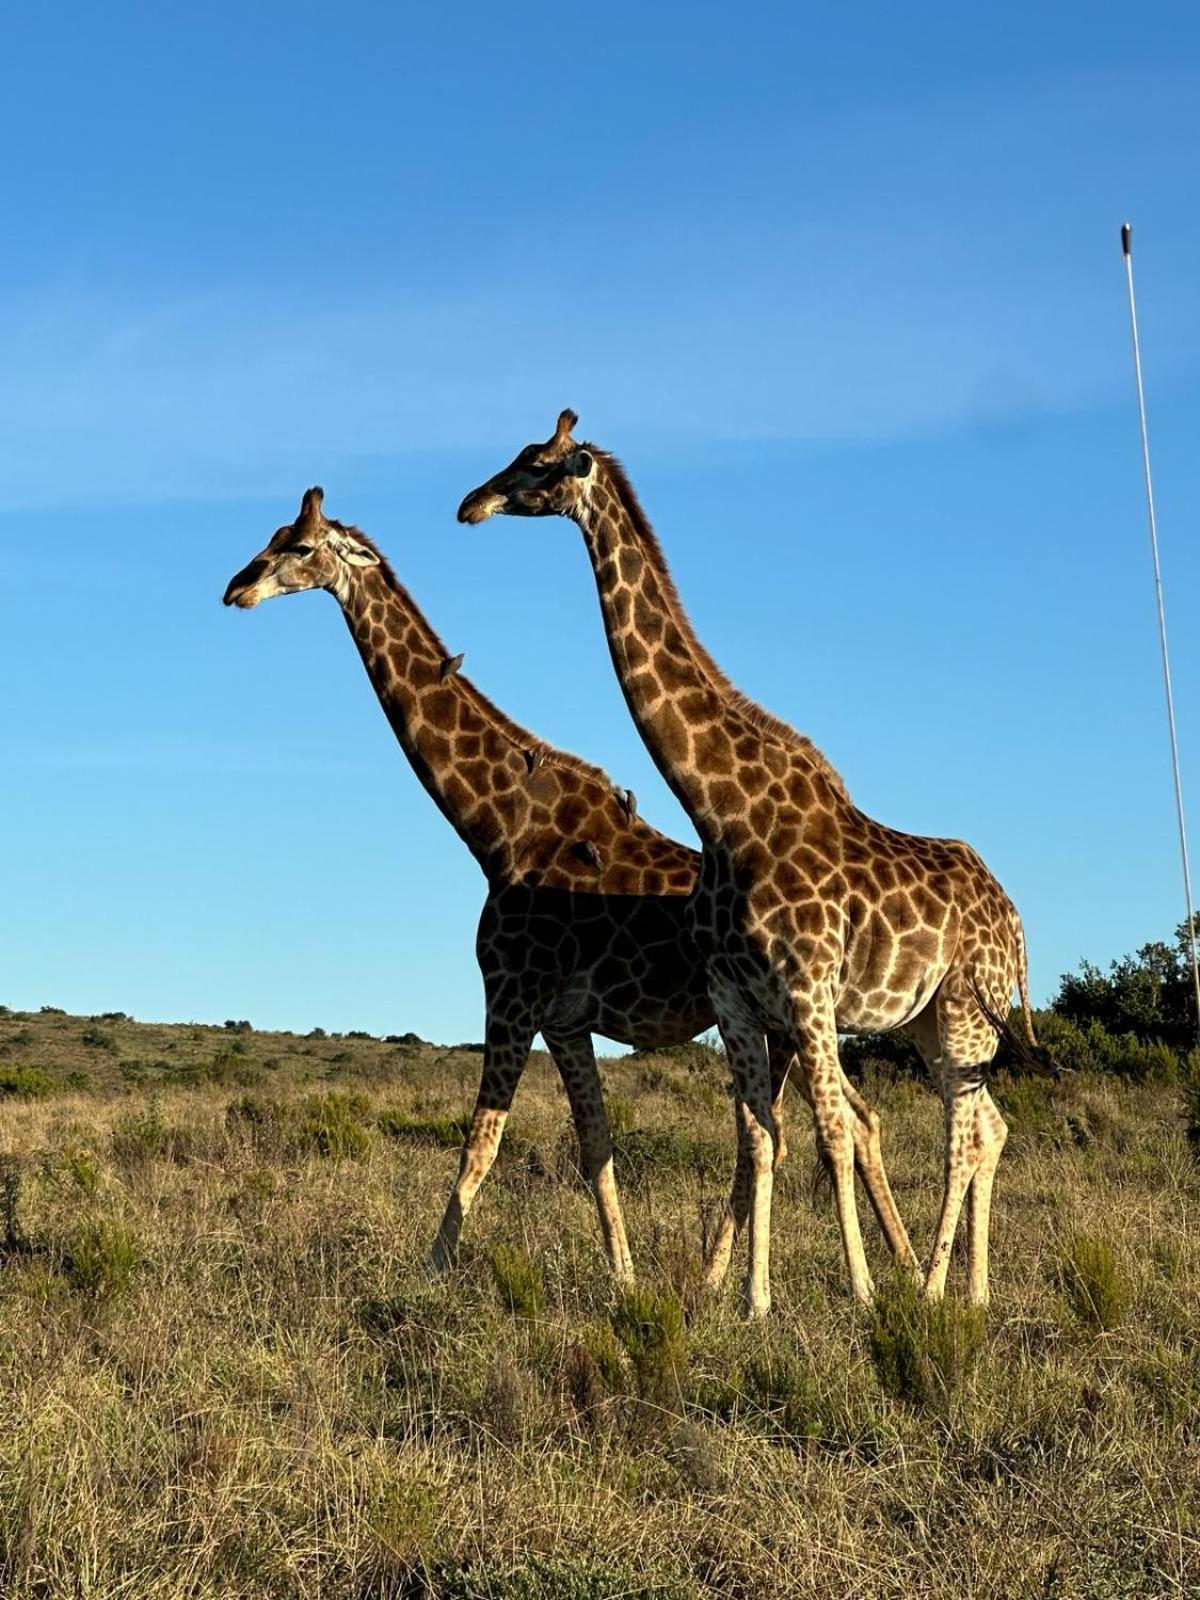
pixel 506 1049
pixel 576 1061
pixel 737 1207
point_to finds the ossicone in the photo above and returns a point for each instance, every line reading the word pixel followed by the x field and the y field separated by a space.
pixel 562 430
pixel 310 506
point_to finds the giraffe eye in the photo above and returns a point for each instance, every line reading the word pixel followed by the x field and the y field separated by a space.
pixel 302 549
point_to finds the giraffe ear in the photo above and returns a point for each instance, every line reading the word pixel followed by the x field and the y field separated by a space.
pixel 354 551
pixel 578 464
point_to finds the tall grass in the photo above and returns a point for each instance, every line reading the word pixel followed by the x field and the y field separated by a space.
pixel 225 1371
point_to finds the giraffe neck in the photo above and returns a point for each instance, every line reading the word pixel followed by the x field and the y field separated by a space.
pixel 681 702
pixel 467 755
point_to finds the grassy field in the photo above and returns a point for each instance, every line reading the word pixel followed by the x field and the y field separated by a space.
pixel 224 1371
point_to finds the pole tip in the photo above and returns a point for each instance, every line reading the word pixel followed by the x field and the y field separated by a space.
pixel 1126 238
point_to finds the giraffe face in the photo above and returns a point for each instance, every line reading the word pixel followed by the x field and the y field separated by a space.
pixel 310 553
pixel 545 480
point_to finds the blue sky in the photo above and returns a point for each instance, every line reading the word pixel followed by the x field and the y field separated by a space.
pixel 842 287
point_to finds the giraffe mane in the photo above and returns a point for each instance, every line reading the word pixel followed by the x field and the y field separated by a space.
pixel 754 715
pixel 521 738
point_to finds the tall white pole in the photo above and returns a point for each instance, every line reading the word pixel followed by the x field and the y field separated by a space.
pixel 1127 252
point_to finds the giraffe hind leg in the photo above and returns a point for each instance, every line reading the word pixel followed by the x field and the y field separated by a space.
pixel 957 1044
pixel 868 1159
pixel 737 1207
pixel 576 1062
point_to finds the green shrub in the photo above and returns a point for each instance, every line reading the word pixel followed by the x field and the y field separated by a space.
pixel 786 1392
pixel 1190 1078
pixel 557 1577
pixel 519 1279
pixel 593 1369
pixel 97 1039
pixel 140 1137
pixel 10 1202
pixel 230 1064
pixel 1030 1109
pixel 82 1170
pixel 922 1352
pixel 332 1125
pixel 102 1260
pixel 649 1324
pixel 1092 1281
pixel 404 1519
pixel 263 1121
pixel 646 1155
pixel 446 1132
pixel 621 1112
pixel 25 1083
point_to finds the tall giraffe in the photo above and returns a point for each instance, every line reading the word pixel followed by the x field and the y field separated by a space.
pixel 812 917
pixel 584 926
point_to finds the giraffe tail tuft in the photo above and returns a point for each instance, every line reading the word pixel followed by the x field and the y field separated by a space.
pixel 1024 1052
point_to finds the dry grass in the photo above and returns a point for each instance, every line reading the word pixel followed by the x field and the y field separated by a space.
pixel 224 1372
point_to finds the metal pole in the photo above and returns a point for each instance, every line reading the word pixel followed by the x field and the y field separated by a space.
pixel 1127 252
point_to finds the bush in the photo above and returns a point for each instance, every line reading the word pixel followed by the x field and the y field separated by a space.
pixel 140 1137
pixel 102 1260
pixel 1092 1281
pixel 519 1279
pixel 25 1083
pixel 554 1577
pixel 446 1132
pixel 787 1392
pixel 97 1039
pixel 922 1352
pixel 649 1324
pixel 889 1056
pixel 331 1125
pixel 1191 1100
pixel 621 1113
pixel 645 1155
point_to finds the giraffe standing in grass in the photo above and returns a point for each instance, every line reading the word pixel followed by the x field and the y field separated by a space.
pixel 585 924
pixel 811 917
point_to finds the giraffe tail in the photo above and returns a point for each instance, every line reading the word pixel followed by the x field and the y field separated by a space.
pixel 1024 1052
pixel 1023 984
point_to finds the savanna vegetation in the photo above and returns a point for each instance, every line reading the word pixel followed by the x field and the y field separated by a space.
pixel 225 1372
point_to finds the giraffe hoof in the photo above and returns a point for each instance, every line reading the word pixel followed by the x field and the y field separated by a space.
pixel 439 1261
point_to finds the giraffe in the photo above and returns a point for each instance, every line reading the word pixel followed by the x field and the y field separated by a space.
pixel 812 917
pixel 584 926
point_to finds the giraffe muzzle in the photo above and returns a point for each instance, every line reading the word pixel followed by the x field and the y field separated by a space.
pixel 243 587
pixel 480 504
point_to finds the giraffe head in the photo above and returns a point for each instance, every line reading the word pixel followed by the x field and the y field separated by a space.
pixel 545 480
pixel 310 553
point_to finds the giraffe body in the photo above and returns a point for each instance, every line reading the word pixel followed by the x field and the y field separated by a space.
pixel 811 917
